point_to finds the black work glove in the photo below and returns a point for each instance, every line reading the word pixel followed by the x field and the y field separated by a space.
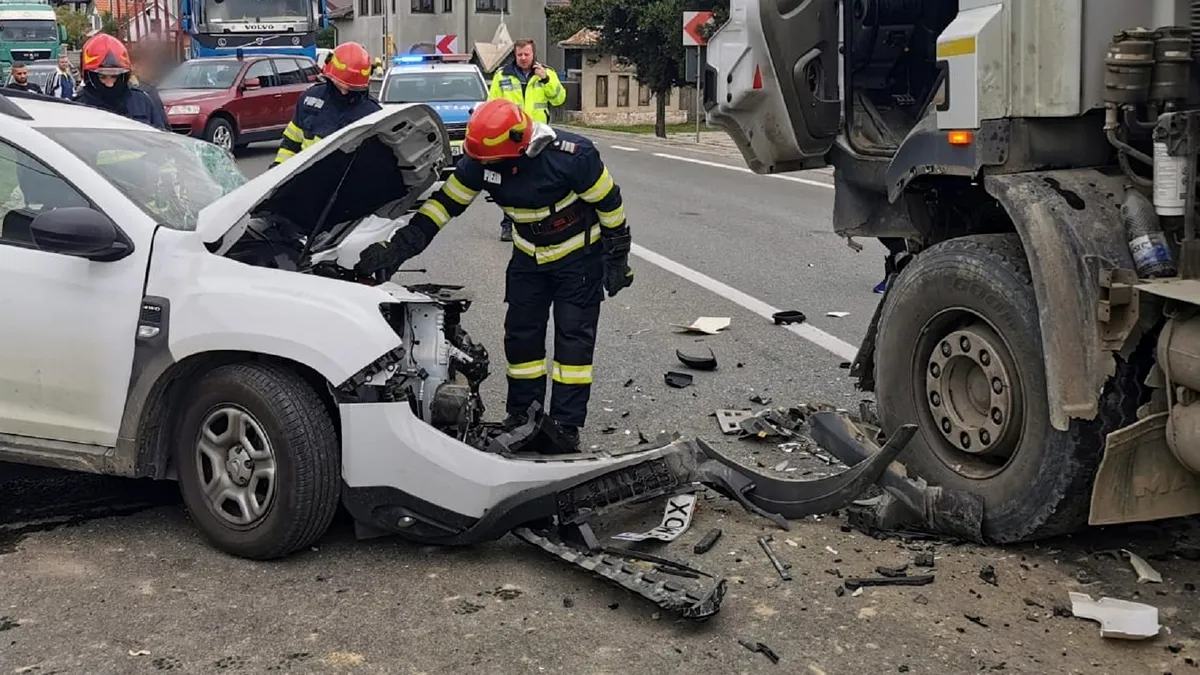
pixel 617 273
pixel 408 242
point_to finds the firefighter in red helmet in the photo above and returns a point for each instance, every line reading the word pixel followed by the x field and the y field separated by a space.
pixel 105 64
pixel 339 100
pixel 570 244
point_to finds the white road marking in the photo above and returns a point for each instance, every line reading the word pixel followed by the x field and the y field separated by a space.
pixel 625 148
pixel 718 165
pixel 813 334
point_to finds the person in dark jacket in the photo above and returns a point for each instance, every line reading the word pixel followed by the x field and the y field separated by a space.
pixel 145 75
pixel 20 79
pixel 107 70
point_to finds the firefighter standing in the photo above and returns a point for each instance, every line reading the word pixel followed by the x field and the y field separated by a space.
pixel 570 244
pixel 531 85
pixel 340 100
pixel 106 67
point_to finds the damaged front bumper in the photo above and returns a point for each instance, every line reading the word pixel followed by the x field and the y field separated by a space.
pixel 404 476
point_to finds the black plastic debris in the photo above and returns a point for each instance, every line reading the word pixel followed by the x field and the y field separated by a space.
pixel 924 559
pixel 780 566
pixel 697 358
pixel 975 619
pixel 917 580
pixel 988 574
pixel 760 400
pixel 609 429
pixel 677 380
pixel 707 541
pixel 760 648
pixel 788 317
pixel 892 572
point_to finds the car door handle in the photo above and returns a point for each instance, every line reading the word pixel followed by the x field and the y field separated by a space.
pixel 278 95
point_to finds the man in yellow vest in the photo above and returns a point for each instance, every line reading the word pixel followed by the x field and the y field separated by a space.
pixel 531 85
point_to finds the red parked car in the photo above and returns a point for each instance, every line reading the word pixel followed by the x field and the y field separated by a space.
pixel 233 102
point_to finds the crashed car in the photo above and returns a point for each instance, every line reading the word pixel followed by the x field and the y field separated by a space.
pixel 167 318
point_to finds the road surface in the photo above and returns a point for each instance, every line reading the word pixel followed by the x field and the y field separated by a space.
pixel 143 593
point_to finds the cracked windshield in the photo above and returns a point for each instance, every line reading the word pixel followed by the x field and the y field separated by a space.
pixel 169 177
pixel 257 10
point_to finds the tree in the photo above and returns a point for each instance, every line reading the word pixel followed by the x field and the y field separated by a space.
pixel 647 34
pixel 108 24
pixel 75 22
pixel 327 38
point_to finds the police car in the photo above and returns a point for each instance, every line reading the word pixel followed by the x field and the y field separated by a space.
pixel 448 83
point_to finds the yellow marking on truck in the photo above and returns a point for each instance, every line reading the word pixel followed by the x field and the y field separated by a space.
pixel 956 47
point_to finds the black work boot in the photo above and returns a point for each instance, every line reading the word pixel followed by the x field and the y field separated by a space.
pixel 568 438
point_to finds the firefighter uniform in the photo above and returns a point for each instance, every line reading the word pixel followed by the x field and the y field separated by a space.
pixel 321 111
pixel 529 91
pixel 570 243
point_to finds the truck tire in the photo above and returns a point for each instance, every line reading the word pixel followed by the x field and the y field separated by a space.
pixel 258 440
pixel 960 354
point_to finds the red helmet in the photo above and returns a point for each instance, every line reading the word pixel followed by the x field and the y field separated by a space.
pixel 350 64
pixel 104 54
pixel 498 129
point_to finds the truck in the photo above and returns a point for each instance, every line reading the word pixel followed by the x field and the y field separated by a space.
pixel 1032 168
pixel 29 31
pixel 234 27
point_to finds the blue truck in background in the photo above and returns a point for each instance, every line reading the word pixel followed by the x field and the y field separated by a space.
pixel 232 27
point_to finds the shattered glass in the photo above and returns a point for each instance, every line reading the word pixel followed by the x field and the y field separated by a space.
pixel 169 176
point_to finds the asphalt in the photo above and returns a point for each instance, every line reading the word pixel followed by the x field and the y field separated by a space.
pixel 143 593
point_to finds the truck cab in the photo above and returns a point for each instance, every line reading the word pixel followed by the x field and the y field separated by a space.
pixel 1026 165
pixel 29 31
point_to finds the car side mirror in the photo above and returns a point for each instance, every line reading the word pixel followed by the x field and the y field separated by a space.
pixel 81 232
pixel 251 83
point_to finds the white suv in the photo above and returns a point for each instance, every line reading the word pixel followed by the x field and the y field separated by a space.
pixel 165 317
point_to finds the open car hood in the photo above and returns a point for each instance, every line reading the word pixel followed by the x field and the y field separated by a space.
pixel 379 165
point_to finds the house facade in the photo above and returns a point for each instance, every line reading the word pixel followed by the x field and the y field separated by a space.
pixel 388 27
pixel 609 93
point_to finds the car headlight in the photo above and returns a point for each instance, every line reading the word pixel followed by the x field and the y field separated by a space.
pixel 183 110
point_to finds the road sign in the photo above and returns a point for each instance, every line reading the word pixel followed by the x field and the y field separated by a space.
pixel 692 22
pixel 446 44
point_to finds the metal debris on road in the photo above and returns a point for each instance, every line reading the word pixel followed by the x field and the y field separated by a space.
pixel 1145 573
pixel 759 399
pixel 730 420
pixel 892 572
pixel 1118 618
pixel 923 559
pixel 988 574
pixel 781 567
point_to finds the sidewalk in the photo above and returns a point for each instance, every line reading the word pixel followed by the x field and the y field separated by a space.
pixel 715 142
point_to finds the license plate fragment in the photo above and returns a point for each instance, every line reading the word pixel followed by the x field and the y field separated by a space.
pixel 677 517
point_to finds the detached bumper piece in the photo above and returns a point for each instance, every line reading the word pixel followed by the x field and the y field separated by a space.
pixel 681 466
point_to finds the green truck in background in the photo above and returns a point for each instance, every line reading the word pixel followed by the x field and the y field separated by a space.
pixel 29 31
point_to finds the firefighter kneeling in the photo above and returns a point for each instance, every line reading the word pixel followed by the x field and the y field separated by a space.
pixel 570 244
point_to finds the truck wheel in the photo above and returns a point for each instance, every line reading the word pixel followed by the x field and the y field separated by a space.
pixel 961 356
pixel 259 461
pixel 220 132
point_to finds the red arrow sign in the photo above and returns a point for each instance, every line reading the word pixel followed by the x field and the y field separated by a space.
pixel 446 43
pixel 692 21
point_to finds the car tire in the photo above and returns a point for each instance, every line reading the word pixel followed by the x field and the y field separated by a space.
pixel 967 306
pixel 277 476
pixel 219 131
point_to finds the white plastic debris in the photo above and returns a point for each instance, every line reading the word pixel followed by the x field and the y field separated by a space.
pixel 1118 619
pixel 677 517
pixel 837 315
pixel 1146 574
pixel 709 325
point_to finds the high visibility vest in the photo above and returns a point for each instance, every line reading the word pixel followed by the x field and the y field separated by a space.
pixel 535 96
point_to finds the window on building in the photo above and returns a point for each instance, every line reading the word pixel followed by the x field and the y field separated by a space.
pixel 491 6
pixel 377 7
pixel 422 6
pixel 601 91
pixel 643 95
pixel 448 6
pixel 364 7
pixel 622 91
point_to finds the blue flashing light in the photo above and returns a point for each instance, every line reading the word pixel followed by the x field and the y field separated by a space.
pixel 410 58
